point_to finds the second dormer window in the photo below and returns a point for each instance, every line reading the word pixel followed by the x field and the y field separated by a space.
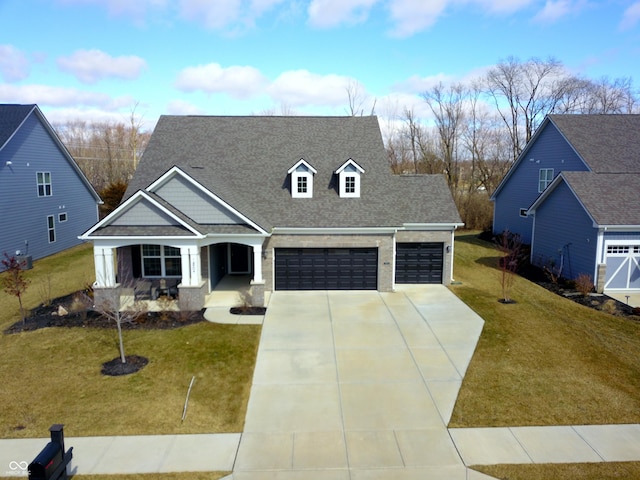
pixel 349 175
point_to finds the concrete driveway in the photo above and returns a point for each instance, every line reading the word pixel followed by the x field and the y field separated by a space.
pixel 358 385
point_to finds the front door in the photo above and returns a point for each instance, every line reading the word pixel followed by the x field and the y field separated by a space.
pixel 239 258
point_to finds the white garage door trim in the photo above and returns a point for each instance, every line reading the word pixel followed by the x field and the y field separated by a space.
pixel 623 265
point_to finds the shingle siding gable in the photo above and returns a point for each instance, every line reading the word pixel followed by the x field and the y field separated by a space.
pixel 194 203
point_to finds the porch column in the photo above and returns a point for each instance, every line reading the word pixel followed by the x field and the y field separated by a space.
pixel 191 270
pixel 257 264
pixel 105 271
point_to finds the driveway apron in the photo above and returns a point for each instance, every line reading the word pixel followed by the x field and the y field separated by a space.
pixel 358 385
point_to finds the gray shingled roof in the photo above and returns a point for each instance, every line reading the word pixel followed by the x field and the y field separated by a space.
pixel 607 143
pixel 610 198
pixel 11 116
pixel 244 161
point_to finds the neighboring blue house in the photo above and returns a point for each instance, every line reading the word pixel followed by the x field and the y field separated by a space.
pixel 46 202
pixel 574 196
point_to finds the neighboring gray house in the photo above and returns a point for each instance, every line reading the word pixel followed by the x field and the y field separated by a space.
pixel 294 203
pixel 45 199
pixel 574 196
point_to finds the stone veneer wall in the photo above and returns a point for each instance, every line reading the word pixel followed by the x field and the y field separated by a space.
pixel 384 243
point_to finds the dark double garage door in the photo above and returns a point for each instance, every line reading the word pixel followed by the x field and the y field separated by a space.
pixel 326 269
pixel 354 268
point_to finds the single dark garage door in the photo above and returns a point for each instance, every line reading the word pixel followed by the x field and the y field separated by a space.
pixel 326 268
pixel 419 262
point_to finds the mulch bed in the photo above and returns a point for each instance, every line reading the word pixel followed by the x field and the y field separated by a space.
pixel 248 310
pixel 115 367
pixel 45 316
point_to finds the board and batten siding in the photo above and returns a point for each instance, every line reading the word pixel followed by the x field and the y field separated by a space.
pixel 23 215
pixel 194 203
pixel 564 235
pixel 550 150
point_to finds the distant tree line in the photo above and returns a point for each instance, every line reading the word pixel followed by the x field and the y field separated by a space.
pixel 477 130
pixel 107 152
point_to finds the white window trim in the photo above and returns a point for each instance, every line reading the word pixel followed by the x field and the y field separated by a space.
pixel 163 265
pixel 63 217
pixel 342 179
pixel 51 228
pixel 44 184
pixel 296 174
pixel 547 181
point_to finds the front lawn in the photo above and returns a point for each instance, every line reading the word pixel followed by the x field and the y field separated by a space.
pixel 53 375
pixel 544 360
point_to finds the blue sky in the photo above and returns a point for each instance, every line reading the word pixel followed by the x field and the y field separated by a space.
pixel 96 59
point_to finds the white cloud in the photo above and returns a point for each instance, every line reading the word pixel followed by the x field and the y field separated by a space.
pixel 630 17
pixel 329 13
pixel 14 65
pixel 237 81
pixel 61 97
pixel 412 16
pixel 136 10
pixel 212 13
pixel 301 87
pixel 180 107
pixel 502 7
pixel 89 66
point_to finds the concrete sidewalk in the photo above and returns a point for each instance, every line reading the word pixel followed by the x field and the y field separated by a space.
pixel 350 385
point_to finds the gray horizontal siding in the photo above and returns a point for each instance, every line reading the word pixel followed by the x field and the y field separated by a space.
pixel 23 215
pixel 194 203
pixel 550 150
pixel 564 233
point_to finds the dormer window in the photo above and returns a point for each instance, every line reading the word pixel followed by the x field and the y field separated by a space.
pixel 302 179
pixel 349 179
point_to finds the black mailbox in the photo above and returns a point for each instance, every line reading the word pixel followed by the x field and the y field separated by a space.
pixel 51 462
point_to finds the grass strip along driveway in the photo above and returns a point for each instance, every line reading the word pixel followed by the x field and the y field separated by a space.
pixel 52 375
pixel 544 360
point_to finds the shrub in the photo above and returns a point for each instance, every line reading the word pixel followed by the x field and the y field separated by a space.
pixel 583 284
pixel 609 307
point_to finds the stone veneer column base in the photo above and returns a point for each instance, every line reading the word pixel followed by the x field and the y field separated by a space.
pixel 191 298
pixel 257 294
pixel 602 271
pixel 107 298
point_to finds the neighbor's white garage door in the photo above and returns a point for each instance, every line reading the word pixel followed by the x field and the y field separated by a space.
pixel 623 267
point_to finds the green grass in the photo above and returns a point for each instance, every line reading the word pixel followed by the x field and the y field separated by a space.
pixel 544 360
pixel 576 471
pixel 53 375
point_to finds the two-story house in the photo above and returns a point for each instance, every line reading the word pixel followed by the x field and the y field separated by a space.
pixel 573 194
pixel 293 203
pixel 46 201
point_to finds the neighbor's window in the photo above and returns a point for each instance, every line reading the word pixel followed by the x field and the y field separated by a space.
pixel 544 178
pixel 62 217
pixel 161 261
pixel 51 228
pixel 44 184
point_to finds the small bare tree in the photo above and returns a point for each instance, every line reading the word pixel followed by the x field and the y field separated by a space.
pixel 14 281
pixel 510 245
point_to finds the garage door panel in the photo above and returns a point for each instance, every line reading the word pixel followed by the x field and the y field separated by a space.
pixel 326 269
pixel 419 262
pixel 623 267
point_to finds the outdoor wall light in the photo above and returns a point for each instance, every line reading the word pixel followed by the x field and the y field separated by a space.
pixel 448 248
pixel 9 162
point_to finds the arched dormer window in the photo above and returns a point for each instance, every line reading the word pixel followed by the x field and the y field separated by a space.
pixel 302 179
pixel 349 179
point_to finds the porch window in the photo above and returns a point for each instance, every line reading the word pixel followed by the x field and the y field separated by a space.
pixel 161 261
